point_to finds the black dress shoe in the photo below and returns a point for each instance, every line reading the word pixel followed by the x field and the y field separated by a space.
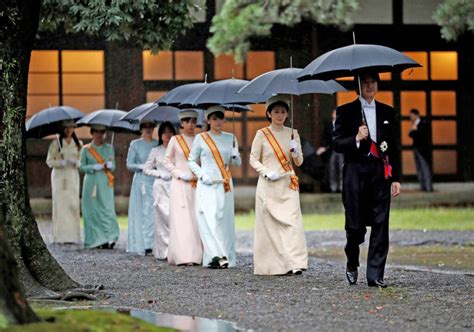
pixel 377 283
pixel 351 276
pixel 148 252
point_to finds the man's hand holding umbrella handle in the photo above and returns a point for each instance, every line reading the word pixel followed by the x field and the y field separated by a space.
pixel 363 133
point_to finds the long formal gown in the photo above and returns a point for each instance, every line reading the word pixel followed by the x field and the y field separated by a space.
pixel 279 240
pixel 65 185
pixel 185 242
pixel 141 222
pixel 214 207
pixel 161 196
pixel 98 206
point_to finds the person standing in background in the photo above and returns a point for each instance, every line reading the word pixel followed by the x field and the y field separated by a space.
pixel 336 159
pixel 63 157
pixel 140 208
pixel 420 134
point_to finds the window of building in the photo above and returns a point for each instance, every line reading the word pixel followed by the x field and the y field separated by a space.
pixel 419 73
pixel 173 65
pixel 73 78
pixel 152 96
pixel 444 66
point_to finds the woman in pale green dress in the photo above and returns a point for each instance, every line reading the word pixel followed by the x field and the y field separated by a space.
pixel 98 207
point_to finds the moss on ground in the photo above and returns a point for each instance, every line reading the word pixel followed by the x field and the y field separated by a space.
pixel 85 321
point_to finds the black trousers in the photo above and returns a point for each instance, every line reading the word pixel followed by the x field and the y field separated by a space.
pixel 366 198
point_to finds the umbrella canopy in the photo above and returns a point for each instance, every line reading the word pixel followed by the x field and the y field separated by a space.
pixel 166 113
pixel 130 115
pixel 284 81
pixel 353 59
pixel 122 126
pixel 216 93
pixel 177 95
pixel 48 121
pixel 105 117
pixel 237 108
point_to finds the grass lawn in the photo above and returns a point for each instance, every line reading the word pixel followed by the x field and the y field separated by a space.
pixel 84 320
pixel 415 219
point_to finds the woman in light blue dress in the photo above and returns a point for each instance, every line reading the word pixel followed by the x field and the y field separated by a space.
pixel 141 219
pixel 211 155
pixel 98 207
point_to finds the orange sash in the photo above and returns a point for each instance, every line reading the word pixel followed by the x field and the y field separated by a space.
pixel 281 157
pixel 96 155
pixel 218 158
pixel 184 146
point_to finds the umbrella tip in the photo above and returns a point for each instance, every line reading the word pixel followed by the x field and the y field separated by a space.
pixel 205 78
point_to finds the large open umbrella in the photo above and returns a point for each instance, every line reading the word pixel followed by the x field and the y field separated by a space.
pixel 284 81
pixel 47 121
pixel 104 117
pixel 130 115
pixel 216 93
pixel 177 95
pixel 166 113
pixel 353 59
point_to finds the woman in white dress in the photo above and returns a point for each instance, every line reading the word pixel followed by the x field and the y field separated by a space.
pixel 161 189
pixel 185 247
pixel 279 240
pixel 211 155
pixel 63 157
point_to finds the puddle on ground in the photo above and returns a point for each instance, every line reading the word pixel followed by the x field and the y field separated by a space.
pixel 177 322
pixel 186 323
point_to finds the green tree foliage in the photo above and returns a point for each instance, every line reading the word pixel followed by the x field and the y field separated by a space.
pixel 149 24
pixel 240 20
pixel 455 17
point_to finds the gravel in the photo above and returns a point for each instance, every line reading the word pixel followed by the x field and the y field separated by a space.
pixel 320 299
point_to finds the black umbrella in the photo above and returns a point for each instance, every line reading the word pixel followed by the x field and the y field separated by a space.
pixel 354 59
pixel 216 93
pixel 284 81
pixel 176 96
pixel 133 113
pixel 48 121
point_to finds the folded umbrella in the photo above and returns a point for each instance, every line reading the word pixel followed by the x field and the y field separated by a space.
pixel 48 121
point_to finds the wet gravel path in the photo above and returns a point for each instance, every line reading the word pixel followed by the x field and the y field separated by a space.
pixel 320 299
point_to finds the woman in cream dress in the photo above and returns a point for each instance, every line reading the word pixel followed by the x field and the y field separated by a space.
pixel 63 157
pixel 185 246
pixel 279 240
pixel 154 167
pixel 215 192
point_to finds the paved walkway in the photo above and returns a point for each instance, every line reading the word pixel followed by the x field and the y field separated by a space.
pixel 320 299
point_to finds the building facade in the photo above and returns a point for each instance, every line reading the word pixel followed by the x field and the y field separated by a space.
pixel 89 74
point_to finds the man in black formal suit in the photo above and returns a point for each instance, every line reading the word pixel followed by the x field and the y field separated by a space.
pixel 365 133
pixel 420 134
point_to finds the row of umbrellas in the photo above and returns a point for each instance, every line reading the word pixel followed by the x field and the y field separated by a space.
pixel 235 94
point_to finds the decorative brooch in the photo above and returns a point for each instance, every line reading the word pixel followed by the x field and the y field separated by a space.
pixel 383 146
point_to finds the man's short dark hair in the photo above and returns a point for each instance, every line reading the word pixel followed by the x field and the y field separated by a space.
pixel 415 112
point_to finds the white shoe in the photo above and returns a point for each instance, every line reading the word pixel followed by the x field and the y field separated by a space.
pixel 223 263
pixel 296 272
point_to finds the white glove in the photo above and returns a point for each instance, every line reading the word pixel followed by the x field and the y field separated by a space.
pixel 273 176
pixel 185 177
pixel 98 167
pixel 165 176
pixel 72 162
pixel 293 145
pixel 109 164
pixel 206 179
pixel 63 162
pixel 235 152
pixel 141 167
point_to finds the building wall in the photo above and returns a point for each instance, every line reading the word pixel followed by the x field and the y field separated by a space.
pixel 117 75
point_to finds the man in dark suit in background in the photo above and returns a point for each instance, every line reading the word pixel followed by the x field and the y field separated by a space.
pixel 420 134
pixel 364 133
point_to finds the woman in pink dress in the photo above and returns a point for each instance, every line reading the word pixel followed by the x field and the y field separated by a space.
pixel 185 247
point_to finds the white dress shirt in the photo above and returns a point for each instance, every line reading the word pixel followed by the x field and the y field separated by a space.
pixel 370 117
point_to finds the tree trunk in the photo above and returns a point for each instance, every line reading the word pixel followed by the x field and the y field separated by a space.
pixel 39 272
pixel 13 307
